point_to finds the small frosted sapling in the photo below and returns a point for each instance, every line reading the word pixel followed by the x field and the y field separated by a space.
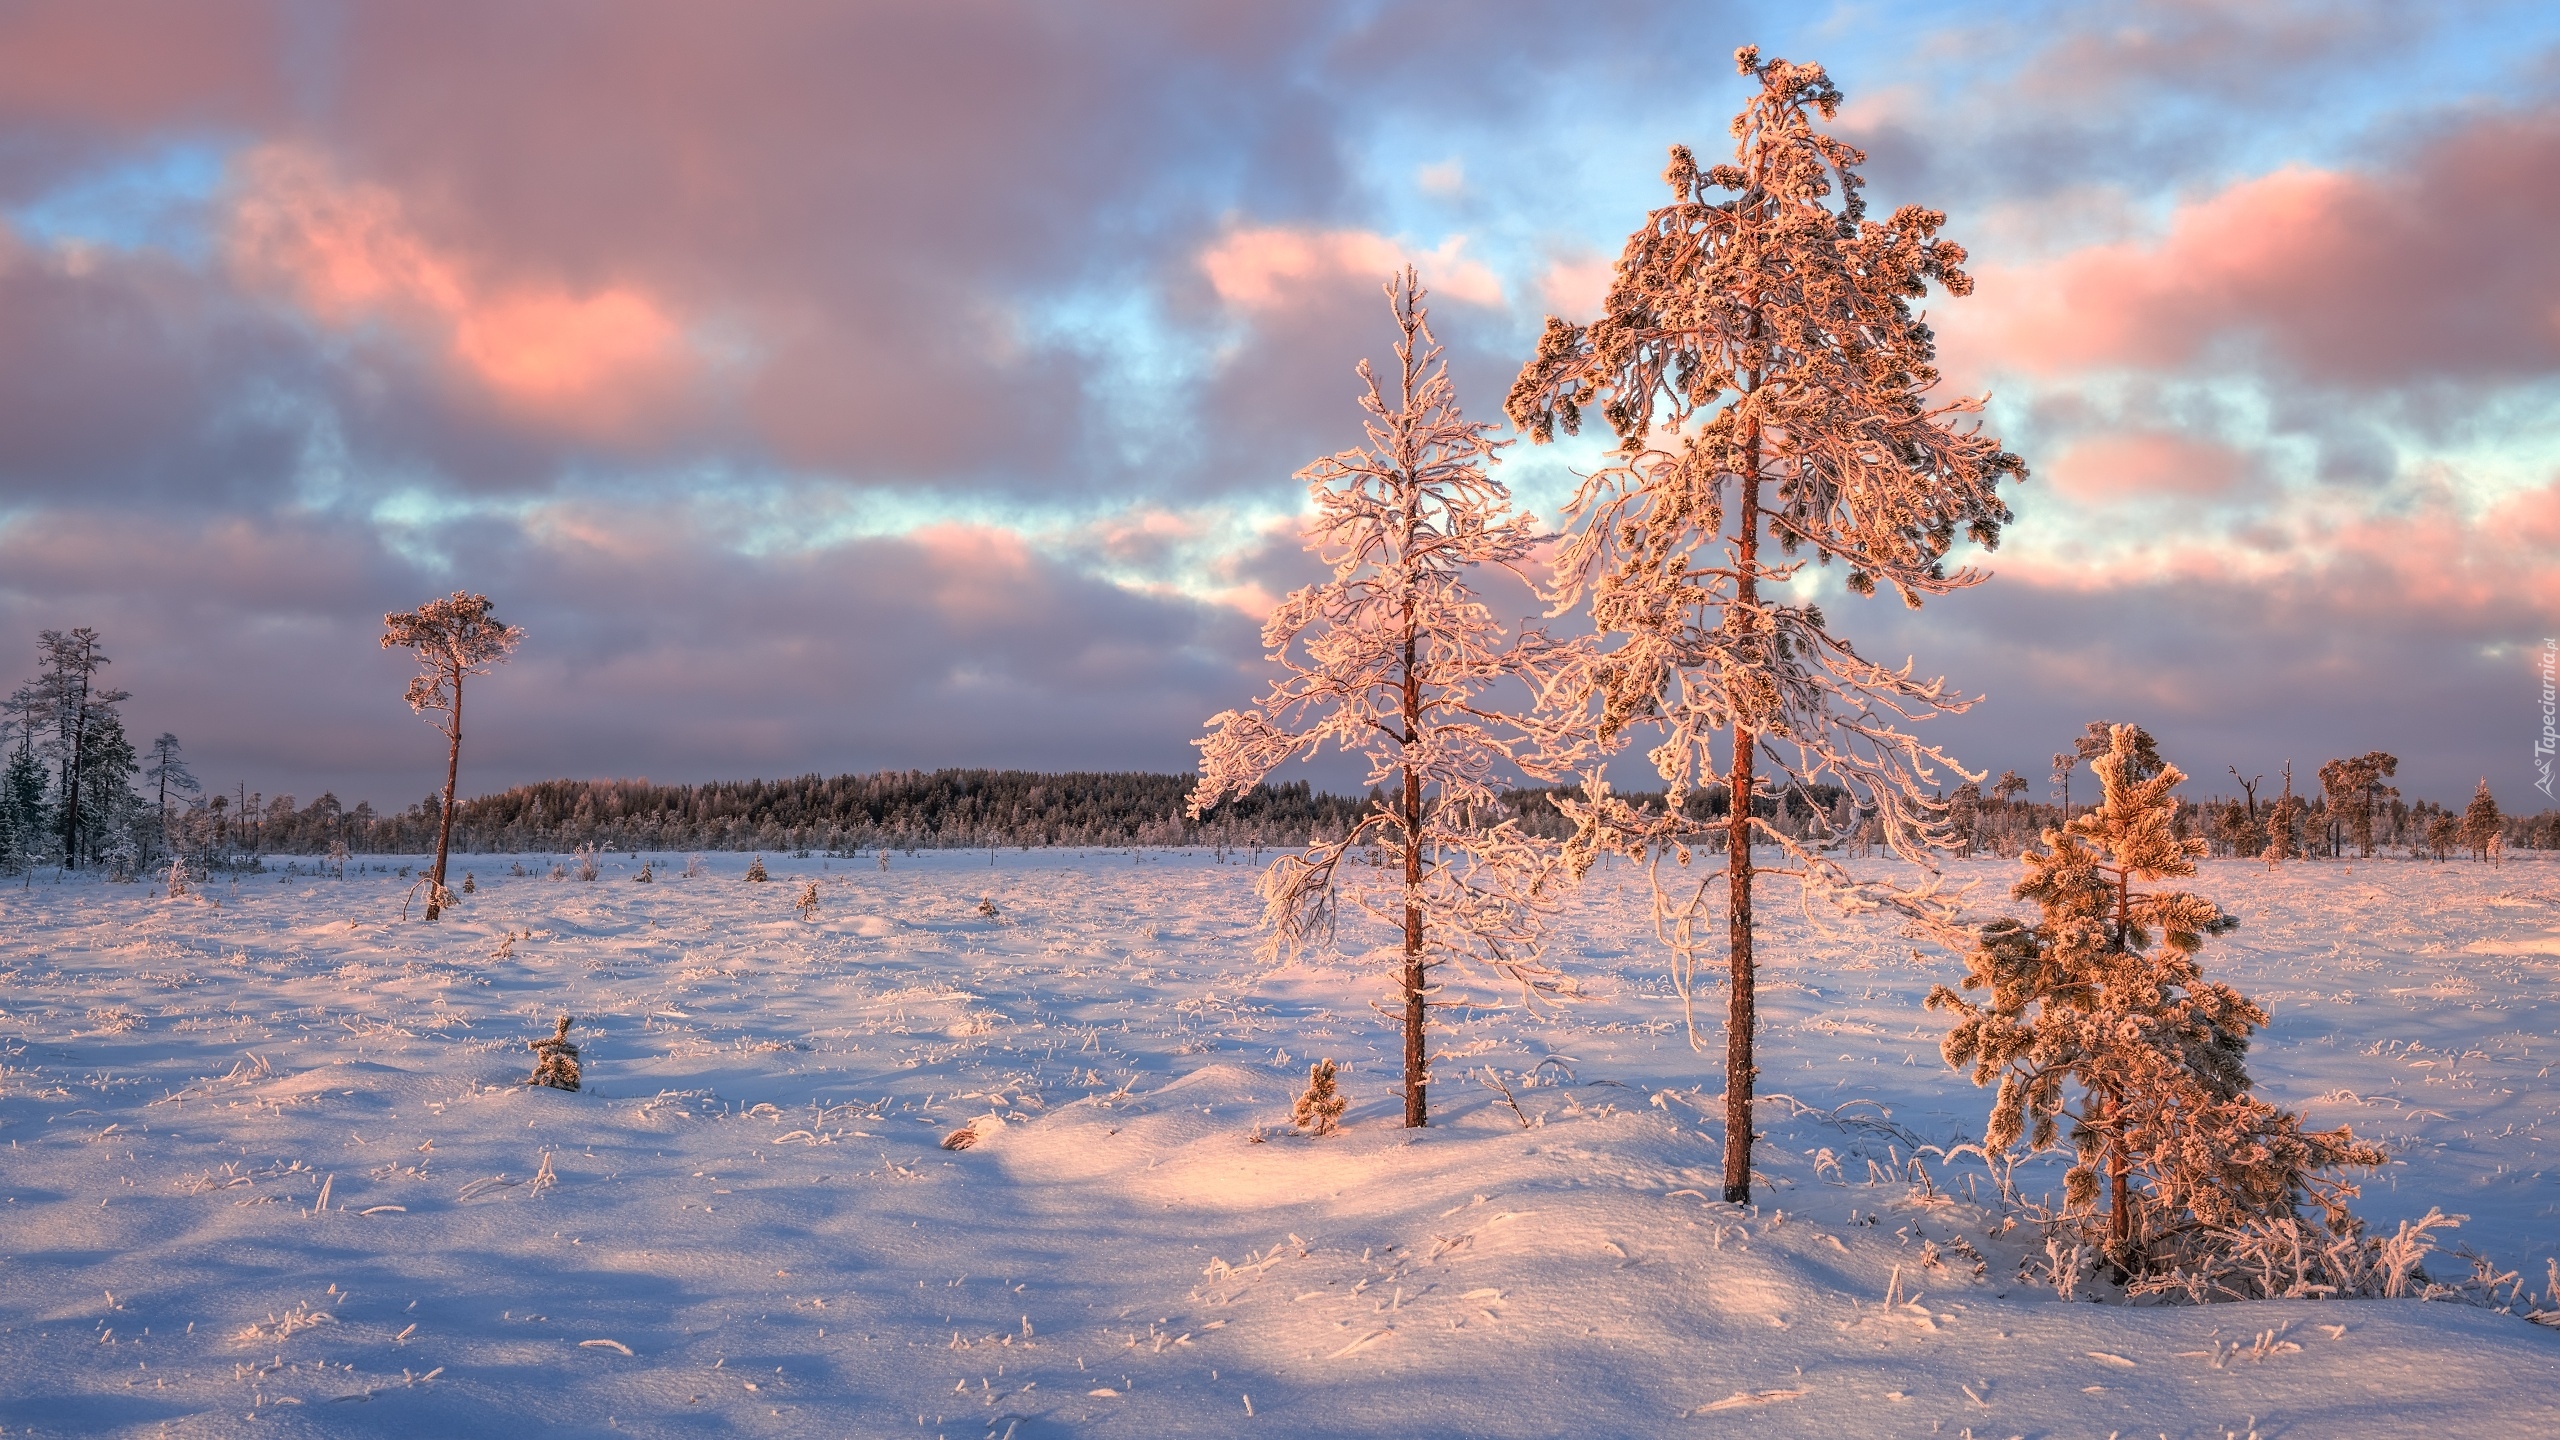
pixel 470 886
pixel 755 871
pixel 587 862
pixel 644 877
pixel 807 904
pixel 1320 1109
pixel 555 1061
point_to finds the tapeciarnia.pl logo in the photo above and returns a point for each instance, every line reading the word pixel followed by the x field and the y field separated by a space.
pixel 2550 741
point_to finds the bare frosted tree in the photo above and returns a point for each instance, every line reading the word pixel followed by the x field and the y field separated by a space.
pixel 1392 659
pixel 1768 383
pixel 453 638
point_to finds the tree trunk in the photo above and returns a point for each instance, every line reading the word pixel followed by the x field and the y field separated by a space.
pixel 444 826
pixel 1417 1112
pixel 71 777
pixel 1742 1018
pixel 2119 1191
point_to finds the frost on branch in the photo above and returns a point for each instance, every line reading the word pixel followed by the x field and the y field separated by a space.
pixel 2099 1014
pixel 1395 659
pixel 1768 383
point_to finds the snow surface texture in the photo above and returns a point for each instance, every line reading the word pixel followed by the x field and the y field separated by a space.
pixel 271 1169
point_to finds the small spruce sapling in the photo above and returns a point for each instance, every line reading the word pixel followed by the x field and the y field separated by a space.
pixel 644 877
pixel 807 904
pixel 2100 1014
pixel 1320 1109
pixel 470 886
pixel 555 1061
pixel 755 871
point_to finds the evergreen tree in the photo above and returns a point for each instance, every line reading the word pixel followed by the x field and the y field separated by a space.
pixel 1391 659
pixel 1768 382
pixel 2100 1014
pixel 2353 787
pixel 64 708
pixel 2481 822
pixel 171 779
pixel 21 798
pixel 109 810
pixel 452 639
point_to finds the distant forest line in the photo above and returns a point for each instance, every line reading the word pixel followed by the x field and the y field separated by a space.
pixel 978 809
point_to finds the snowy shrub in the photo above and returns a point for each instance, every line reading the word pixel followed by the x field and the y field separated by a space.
pixel 693 868
pixel 1321 1107
pixel 470 886
pixel 2098 1013
pixel 586 862
pixel 555 1060
pixel 558 872
pixel 755 870
pixel 177 878
pixel 807 904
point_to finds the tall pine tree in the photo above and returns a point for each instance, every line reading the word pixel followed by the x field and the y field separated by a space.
pixel 1768 382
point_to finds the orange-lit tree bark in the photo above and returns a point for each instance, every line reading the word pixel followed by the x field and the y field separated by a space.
pixel 1768 383
pixel 453 638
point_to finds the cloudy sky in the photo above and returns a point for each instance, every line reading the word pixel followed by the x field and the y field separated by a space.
pixel 846 386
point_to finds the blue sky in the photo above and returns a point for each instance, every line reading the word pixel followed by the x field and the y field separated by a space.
pixel 910 385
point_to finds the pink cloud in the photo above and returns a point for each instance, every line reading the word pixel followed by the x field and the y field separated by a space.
pixel 349 253
pixel 2402 274
pixel 2141 465
pixel 1265 268
pixel 1574 288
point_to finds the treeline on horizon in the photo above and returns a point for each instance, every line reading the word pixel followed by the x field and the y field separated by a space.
pixel 955 809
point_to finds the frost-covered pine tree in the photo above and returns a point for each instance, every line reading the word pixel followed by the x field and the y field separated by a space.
pixel 1393 659
pixel 452 639
pixel 1769 384
pixel 2099 1013
pixel 2481 822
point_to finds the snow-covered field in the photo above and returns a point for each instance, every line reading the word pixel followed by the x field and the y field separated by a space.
pixel 270 1169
